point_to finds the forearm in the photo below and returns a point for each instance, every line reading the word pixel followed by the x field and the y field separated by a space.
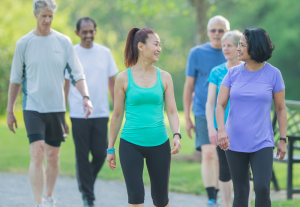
pixel 13 93
pixel 115 125
pixel 220 117
pixel 209 111
pixel 187 102
pixel 82 87
pixel 282 121
pixel 111 89
pixel 174 121
pixel 67 87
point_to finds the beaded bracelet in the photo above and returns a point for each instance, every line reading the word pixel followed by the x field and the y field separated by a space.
pixel 111 151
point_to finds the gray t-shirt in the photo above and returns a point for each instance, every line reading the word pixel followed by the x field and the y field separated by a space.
pixel 39 63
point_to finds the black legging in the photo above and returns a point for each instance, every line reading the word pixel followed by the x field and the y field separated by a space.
pixel 158 161
pixel 261 163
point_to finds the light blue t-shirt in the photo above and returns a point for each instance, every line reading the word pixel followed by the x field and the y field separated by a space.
pixel 216 77
pixel 249 125
pixel 200 62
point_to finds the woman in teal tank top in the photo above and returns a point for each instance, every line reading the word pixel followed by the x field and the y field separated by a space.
pixel 142 90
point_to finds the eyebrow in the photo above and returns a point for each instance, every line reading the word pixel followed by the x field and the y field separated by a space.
pixel 157 41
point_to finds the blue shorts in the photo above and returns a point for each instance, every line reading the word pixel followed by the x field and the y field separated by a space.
pixel 201 132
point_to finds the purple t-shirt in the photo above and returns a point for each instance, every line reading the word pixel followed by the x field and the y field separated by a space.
pixel 249 126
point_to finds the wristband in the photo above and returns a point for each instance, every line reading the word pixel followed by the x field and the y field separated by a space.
pixel 88 97
pixel 110 151
pixel 177 134
pixel 283 139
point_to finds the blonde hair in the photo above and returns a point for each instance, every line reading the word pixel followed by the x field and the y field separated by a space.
pixel 234 36
pixel 44 4
pixel 218 19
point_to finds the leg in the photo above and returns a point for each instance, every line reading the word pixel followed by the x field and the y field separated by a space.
pixel 262 165
pixel 81 130
pixel 158 160
pixel 36 170
pixel 238 163
pixel 225 182
pixel 98 144
pixel 52 167
pixel 208 168
pixel 132 163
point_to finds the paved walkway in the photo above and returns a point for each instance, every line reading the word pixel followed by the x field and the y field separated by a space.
pixel 15 191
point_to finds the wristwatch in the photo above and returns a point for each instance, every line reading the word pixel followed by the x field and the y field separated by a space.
pixel 284 139
pixel 177 134
pixel 88 97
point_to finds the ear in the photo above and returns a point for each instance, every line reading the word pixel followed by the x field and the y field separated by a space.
pixel 141 46
pixel 76 32
pixel 207 32
pixel 35 14
pixel 95 31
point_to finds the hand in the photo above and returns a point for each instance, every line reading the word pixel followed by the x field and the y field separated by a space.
pixel 188 127
pixel 87 104
pixel 11 120
pixel 175 145
pixel 281 150
pixel 213 135
pixel 67 128
pixel 223 140
pixel 111 159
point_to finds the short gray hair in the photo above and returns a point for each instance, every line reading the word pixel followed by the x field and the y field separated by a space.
pixel 234 36
pixel 218 19
pixel 44 4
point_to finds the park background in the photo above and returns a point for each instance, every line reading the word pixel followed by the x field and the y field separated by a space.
pixel 181 25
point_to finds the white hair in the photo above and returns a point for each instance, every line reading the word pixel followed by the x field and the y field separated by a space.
pixel 44 4
pixel 234 36
pixel 218 19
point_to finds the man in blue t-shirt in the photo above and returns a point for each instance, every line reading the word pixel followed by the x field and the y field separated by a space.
pixel 200 62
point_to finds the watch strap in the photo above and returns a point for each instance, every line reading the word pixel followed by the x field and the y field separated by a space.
pixel 177 134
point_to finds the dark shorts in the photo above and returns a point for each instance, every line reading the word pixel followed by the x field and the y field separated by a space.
pixel 201 132
pixel 45 126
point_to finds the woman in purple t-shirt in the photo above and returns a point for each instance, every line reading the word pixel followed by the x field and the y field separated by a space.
pixel 248 134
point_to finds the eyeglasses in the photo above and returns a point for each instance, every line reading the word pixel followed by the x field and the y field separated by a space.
pixel 220 31
pixel 240 45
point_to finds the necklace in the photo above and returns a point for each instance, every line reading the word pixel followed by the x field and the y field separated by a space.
pixel 146 76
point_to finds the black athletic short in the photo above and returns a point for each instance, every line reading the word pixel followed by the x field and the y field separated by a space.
pixel 45 126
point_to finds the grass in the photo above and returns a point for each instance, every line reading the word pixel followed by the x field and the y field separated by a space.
pixel 185 177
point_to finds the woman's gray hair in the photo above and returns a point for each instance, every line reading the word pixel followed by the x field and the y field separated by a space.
pixel 44 4
pixel 234 36
pixel 218 19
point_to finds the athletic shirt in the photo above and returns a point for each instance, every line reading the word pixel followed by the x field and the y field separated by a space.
pixel 144 125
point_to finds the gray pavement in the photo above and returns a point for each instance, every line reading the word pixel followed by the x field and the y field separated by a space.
pixel 15 191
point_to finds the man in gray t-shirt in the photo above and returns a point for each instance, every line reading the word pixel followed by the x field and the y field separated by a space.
pixel 39 63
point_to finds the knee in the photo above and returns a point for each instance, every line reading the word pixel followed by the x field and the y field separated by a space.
pixel 161 202
pixel 136 198
pixel 262 189
pixel 208 155
pixel 99 156
pixel 37 153
pixel 53 157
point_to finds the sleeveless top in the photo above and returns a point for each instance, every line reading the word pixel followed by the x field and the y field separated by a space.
pixel 144 125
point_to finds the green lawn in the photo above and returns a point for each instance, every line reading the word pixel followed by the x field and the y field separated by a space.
pixel 185 177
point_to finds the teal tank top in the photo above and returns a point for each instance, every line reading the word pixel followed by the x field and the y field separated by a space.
pixel 144 125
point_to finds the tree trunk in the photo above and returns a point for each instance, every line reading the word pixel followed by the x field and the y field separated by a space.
pixel 201 7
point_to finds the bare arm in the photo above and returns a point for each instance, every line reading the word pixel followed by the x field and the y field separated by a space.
pixel 280 108
pixel 117 116
pixel 171 110
pixel 187 102
pixel 83 89
pixel 223 97
pixel 67 87
pixel 209 110
pixel 13 93
pixel 111 86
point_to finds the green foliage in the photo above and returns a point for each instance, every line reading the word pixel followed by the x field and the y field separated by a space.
pixel 173 20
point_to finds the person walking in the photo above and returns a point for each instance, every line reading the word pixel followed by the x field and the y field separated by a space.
pixel 143 89
pixel 39 62
pixel 90 135
pixel 230 42
pixel 248 136
pixel 200 62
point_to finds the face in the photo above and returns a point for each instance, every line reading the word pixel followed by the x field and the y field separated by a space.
pixel 151 50
pixel 243 50
pixel 215 33
pixel 44 18
pixel 87 32
pixel 229 49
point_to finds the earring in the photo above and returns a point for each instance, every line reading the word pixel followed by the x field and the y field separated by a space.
pixel 141 50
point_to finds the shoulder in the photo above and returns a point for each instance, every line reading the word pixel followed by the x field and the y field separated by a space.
pixel 200 48
pixel 165 75
pixel 101 47
pixel 25 39
pixel 62 37
pixel 218 68
pixel 122 77
pixel 272 72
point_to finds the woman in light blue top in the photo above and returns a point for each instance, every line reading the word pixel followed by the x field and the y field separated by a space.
pixel 230 42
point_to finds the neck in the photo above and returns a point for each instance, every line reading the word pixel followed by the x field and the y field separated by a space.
pixel 87 46
pixel 215 46
pixel 143 65
pixel 42 32
pixel 232 63
pixel 252 65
